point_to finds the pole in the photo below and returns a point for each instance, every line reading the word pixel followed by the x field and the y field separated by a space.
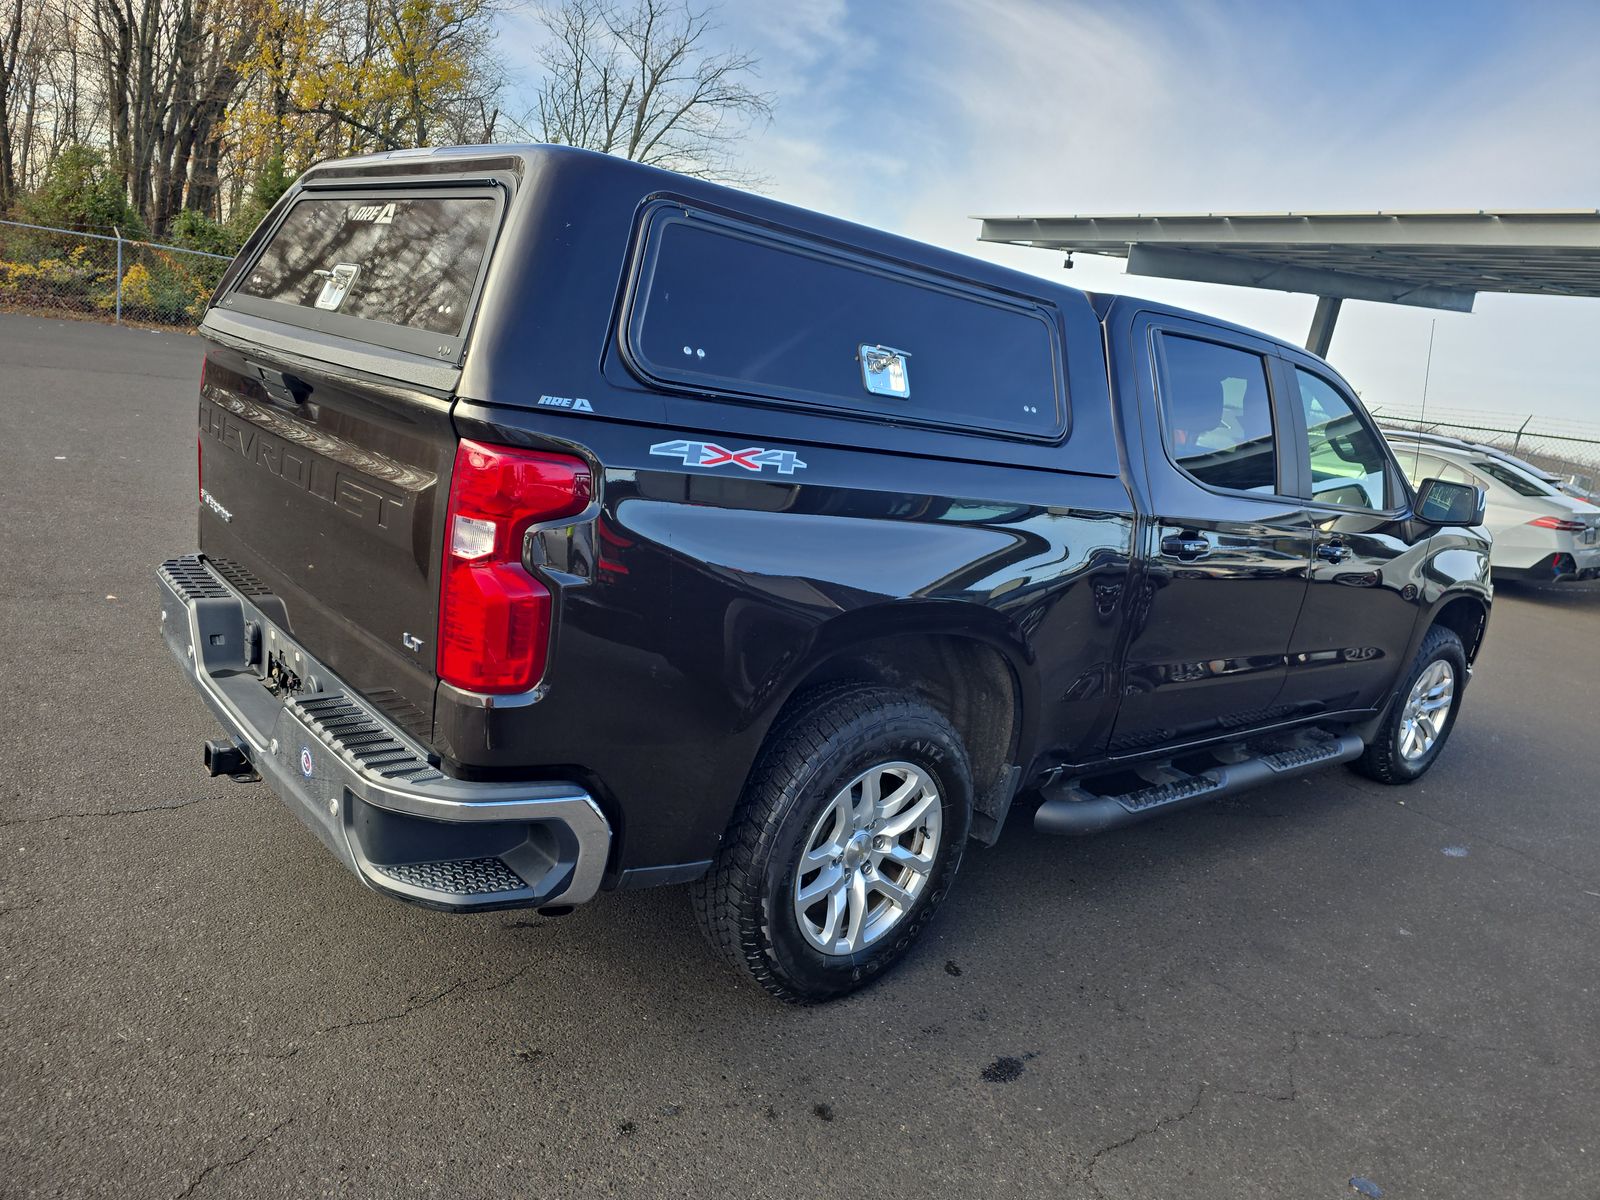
pixel 1322 323
pixel 118 232
pixel 1427 374
pixel 1427 371
pixel 1520 428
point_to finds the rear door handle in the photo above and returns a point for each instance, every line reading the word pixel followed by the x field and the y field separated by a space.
pixel 1334 552
pixel 1185 546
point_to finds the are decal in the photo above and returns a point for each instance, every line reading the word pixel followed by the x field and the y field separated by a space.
pixel 377 214
pixel 709 454
pixel 571 403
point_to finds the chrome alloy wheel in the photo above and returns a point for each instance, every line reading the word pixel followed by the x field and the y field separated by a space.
pixel 1427 709
pixel 868 858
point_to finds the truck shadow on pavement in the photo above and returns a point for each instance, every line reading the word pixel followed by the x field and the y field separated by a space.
pixel 1030 902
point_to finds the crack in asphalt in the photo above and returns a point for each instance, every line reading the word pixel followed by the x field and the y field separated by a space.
pixel 1545 1060
pixel 1291 1051
pixel 1297 1033
pixel 112 812
pixel 1296 1039
pixel 234 1162
pixel 362 1022
pixel 1093 1161
pixel 414 1006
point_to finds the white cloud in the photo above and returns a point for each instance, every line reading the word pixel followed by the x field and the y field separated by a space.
pixel 913 115
pixel 1032 106
pixel 816 56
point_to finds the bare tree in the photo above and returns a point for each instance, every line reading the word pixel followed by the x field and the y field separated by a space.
pixel 21 23
pixel 190 103
pixel 210 48
pixel 642 80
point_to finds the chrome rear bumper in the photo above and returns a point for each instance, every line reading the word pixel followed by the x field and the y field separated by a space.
pixel 361 784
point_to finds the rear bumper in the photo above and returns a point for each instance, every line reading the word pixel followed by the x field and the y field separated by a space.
pixel 1581 564
pixel 362 785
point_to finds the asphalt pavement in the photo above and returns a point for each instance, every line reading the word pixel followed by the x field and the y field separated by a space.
pixel 1322 989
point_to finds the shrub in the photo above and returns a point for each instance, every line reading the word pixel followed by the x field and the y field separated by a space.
pixel 136 288
pixel 196 231
pixel 81 192
pixel 48 271
pixel 72 281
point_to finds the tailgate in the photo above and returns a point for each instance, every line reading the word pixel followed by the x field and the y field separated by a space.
pixel 334 503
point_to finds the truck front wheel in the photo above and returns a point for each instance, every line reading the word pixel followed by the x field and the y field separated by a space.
pixel 848 837
pixel 1421 714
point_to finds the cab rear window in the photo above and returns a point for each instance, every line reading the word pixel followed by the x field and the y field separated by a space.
pixel 722 307
pixel 397 269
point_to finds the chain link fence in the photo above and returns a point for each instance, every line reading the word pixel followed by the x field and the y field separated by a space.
pixel 1567 448
pixel 110 277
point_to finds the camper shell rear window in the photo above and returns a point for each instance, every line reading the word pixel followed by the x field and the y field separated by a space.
pixel 386 266
pixel 724 307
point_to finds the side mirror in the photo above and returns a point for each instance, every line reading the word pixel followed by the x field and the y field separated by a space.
pixel 1443 503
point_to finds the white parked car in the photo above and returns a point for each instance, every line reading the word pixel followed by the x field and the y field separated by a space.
pixel 1539 532
pixel 1439 439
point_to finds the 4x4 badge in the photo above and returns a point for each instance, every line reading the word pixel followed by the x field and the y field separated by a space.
pixel 709 454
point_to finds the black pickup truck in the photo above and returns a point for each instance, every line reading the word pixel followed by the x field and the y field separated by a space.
pixel 566 524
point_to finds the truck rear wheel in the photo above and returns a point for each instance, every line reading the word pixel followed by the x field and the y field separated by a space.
pixel 1422 713
pixel 847 839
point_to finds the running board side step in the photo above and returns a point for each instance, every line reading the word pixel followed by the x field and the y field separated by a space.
pixel 1073 809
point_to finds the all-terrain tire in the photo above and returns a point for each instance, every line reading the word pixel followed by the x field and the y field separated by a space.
pixel 827 738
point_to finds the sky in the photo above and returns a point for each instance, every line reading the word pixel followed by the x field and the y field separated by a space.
pixel 916 115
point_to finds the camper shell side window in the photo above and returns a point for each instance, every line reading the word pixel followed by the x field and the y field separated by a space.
pixel 728 308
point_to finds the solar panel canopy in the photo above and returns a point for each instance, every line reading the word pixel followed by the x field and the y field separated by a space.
pixel 1434 259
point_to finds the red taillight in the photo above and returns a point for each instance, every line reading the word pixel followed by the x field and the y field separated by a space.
pixel 1559 525
pixel 494 617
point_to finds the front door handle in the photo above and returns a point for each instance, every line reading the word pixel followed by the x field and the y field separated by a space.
pixel 1334 552
pixel 1185 546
